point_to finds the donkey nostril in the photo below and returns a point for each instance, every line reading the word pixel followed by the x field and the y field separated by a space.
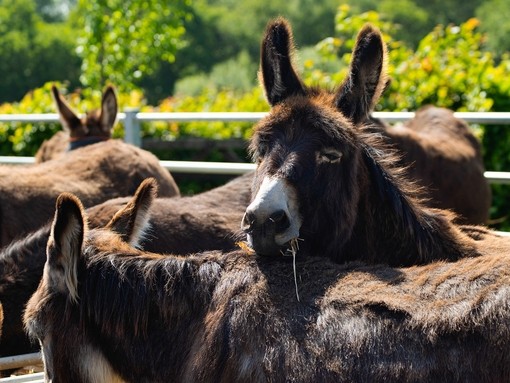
pixel 248 221
pixel 280 220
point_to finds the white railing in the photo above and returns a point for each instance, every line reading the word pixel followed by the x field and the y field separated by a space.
pixel 132 120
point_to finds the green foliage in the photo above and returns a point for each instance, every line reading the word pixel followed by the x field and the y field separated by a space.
pixel 123 40
pixel 416 18
pixel 494 16
pixel 208 101
pixel 449 69
pixel 32 52
pixel 54 10
pixel 237 74
pixel 23 139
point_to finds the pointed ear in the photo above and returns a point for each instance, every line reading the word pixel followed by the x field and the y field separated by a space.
pixel 367 77
pixel 277 75
pixel 109 109
pixel 65 245
pixel 68 118
pixel 132 220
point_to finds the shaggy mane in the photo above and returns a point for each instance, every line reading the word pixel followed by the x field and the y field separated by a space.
pixel 122 291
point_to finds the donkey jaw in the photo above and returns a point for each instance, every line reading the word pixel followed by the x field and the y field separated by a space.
pixel 272 219
pixel 269 246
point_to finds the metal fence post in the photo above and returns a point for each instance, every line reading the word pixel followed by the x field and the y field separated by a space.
pixel 132 131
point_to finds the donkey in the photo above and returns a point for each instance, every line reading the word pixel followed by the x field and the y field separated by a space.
pixel 325 181
pixel 134 316
pixel 444 156
pixel 206 221
pixel 95 173
pixel 95 126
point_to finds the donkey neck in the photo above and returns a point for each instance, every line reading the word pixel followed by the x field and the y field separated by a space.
pixel 395 228
pixel 80 142
pixel 133 299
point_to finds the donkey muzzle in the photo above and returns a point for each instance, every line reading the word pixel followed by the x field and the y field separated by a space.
pixel 271 220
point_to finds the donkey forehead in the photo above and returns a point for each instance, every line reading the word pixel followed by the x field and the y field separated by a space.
pixel 306 118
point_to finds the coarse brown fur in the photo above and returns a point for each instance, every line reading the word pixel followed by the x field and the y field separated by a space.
pixel 445 157
pixel 352 200
pixel 95 126
pixel 206 221
pixel 95 173
pixel 224 317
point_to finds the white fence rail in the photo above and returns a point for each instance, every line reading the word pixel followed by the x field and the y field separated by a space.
pixel 132 120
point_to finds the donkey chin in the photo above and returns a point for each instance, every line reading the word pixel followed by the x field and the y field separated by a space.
pixel 271 244
pixel 272 219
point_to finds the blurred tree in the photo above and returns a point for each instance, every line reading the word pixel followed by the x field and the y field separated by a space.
pixel 206 46
pixel 418 17
pixel 223 29
pixel 32 52
pixel 53 11
pixel 122 41
pixel 494 16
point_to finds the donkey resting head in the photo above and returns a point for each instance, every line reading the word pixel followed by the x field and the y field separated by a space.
pixel 309 140
pixel 323 176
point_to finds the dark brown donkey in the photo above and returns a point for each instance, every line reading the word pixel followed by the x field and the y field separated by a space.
pixel 206 221
pixel 133 316
pixel 95 126
pixel 324 181
pixel 95 173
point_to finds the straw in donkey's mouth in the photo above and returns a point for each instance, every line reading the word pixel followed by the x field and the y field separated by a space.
pixel 294 247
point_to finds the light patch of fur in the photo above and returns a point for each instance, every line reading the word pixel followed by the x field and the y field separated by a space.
pixel 277 194
pixel 72 253
pixel 141 228
pixel 96 368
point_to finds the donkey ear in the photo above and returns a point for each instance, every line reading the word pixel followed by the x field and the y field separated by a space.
pixel 65 245
pixel 278 77
pixel 109 109
pixel 68 118
pixel 132 220
pixel 367 77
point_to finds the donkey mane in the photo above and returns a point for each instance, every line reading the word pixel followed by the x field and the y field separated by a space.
pixel 425 234
pixel 123 291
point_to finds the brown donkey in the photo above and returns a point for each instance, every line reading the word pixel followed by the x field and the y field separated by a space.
pixel 95 126
pixel 95 173
pixel 324 180
pixel 441 154
pixel 133 316
pixel 206 221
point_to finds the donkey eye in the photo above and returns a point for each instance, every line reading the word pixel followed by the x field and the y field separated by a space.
pixel 331 156
pixel 262 148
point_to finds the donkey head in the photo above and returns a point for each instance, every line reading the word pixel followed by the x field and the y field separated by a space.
pixel 95 125
pixel 307 149
pixel 58 292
